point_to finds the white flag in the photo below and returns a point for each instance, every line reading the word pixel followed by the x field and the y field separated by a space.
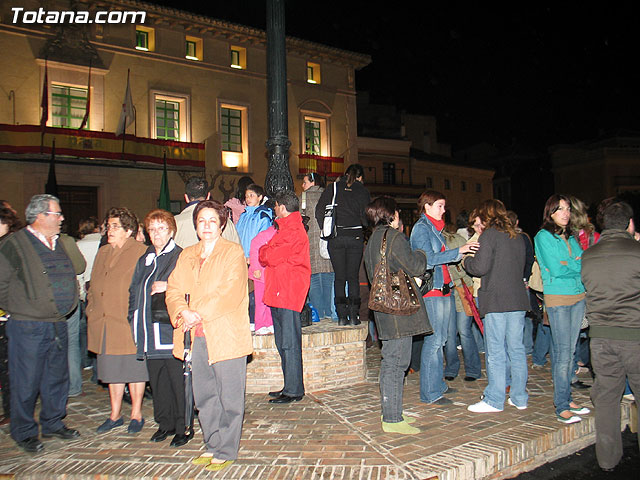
pixel 127 114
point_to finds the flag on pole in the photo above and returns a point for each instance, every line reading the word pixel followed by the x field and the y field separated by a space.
pixel 45 105
pixel 45 98
pixel 126 114
pixel 85 119
pixel 164 201
pixel 52 185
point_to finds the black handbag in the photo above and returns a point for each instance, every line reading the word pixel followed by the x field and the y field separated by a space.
pixel 159 313
pixel 305 315
pixel 425 282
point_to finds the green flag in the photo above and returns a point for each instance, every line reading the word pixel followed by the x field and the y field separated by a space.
pixel 164 201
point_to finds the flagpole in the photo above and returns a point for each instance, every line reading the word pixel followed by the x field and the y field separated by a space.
pixel 45 105
pixel 85 119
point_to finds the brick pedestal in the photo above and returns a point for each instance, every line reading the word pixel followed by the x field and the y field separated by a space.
pixel 332 357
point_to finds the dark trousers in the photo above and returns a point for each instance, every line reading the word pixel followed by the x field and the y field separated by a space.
pixel 4 369
pixel 612 361
pixel 167 384
pixel 346 257
pixel 38 366
pixel 288 337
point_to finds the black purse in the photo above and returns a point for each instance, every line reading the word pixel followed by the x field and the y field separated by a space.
pixel 159 313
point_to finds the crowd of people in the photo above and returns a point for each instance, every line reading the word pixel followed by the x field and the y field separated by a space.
pixel 151 299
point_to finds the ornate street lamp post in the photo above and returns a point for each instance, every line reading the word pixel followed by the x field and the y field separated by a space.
pixel 278 173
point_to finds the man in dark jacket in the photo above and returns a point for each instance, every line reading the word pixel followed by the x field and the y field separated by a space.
pixel 287 278
pixel 38 288
pixel 610 274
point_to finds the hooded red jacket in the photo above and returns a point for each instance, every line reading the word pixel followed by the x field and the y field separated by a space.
pixel 287 265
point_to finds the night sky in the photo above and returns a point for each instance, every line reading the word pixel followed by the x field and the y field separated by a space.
pixel 534 74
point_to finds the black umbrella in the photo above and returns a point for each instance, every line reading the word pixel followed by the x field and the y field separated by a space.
pixel 188 382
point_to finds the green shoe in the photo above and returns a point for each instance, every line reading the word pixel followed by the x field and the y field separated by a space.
pixel 216 467
pixel 401 427
pixel 406 419
pixel 204 459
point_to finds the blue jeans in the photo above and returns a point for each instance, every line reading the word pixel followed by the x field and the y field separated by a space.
pixel 528 335
pixel 503 340
pixel 288 337
pixel 396 355
pixel 38 365
pixel 565 325
pixel 432 384
pixel 461 324
pixel 542 344
pixel 321 293
pixel 75 369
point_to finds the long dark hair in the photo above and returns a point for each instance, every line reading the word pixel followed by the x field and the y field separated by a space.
pixel 353 172
pixel 551 207
pixel 381 211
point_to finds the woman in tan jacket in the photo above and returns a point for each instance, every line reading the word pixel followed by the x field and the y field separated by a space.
pixel 214 275
pixel 108 331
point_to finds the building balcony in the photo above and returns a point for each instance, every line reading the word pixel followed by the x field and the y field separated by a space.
pixel 330 167
pixel 26 142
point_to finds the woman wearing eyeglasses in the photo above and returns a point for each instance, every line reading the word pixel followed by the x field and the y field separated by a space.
pixel 108 331
pixel 152 329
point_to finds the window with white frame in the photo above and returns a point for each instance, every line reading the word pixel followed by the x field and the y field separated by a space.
pixel 316 140
pixel 170 116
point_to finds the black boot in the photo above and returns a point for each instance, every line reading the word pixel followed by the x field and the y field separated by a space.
pixel 354 311
pixel 342 310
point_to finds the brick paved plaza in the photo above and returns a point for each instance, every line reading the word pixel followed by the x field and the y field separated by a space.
pixel 329 434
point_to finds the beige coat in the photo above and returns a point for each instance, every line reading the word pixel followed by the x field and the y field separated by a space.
pixel 218 292
pixel 108 299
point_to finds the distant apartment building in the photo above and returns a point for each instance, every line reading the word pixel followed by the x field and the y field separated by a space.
pixel 199 92
pixel 402 158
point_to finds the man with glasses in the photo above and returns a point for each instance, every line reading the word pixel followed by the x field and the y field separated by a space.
pixel 38 288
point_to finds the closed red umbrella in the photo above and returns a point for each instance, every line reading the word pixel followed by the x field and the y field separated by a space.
pixel 472 304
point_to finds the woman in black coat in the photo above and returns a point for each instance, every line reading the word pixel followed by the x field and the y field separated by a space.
pixel 152 329
pixel 346 248
pixel 395 331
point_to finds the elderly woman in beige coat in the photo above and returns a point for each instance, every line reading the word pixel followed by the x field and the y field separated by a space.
pixel 214 275
pixel 108 331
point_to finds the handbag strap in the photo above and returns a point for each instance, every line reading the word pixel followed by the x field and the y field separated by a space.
pixel 383 246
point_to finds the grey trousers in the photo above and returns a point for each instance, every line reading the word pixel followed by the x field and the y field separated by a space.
pixel 396 356
pixel 612 361
pixel 218 391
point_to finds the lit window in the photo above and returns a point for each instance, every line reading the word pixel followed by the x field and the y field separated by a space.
pixel 312 137
pixel 234 137
pixel 170 116
pixel 231 129
pixel 142 40
pixel 193 48
pixel 145 38
pixel 238 57
pixel 69 106
pixel 167 120
pixel 313 72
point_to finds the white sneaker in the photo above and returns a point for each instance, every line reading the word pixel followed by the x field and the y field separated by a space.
pixel 482 407
pixel 514 405
pixel 629 396
pixel 263 331
pixel 252 327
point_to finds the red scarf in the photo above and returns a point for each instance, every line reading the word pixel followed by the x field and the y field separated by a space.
pixel 439 224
